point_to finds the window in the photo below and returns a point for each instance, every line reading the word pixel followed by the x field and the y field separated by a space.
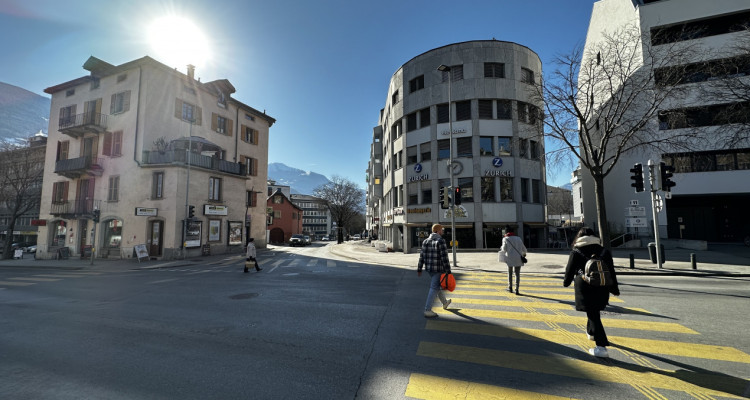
pixel 394 97
pixel 416 84
pixel 713 115
pixel 411 155
pixel 249 135
pixel 444 149
pixel 396 130
pixel 59 192
pixel 485 146
pixel 413 189
pixel 700 28
pixel 157 185
pixel 456 72
pixel 122 77
pixel 424 117
pixel 251 200
pixel 527 76
pixel 114 188
pixel 221 124
pixel 411 122
pixel 494 70
pixel 463 110
pixel 534 149
pixel 536 191
pixel 120 102
pixel 62 150
pixel 426 192
pixel 67 116
pixel 504 108
pixel 188 89
pixel 488 189
pixel 443 113
pixel 525 190
pixel 426 153
pixel 485 109
pixel 523 112
pixel 187 112
pixel 467 189
pixel 503 146
pixel 112 144
pixel 463 147
pixel 214 189
pixel 523 148
pixel 70 92
pixel 94 83
pixel 251 165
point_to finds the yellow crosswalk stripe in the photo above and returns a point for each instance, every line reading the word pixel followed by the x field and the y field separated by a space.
pixel 34 279
pixel 682 380
pixel 7 283
pixel 568 319
pixel 650 346
pixel 458 300
pixel 436 388
pixel 568 295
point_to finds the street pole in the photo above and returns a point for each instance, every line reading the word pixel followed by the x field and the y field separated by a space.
pixel 187 191
pixel 454 243
pixel 652 180
pixel 93 243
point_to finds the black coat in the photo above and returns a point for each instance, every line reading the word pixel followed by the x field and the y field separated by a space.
pixel 589 297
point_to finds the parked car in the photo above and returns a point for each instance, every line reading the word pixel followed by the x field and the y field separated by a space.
pixel 297 240
pixel 308 240
pixel 31 249
pixel 356 237
pixel 326 238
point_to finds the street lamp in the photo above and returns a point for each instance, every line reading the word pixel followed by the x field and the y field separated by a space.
pixel 445 68
pixel 187 189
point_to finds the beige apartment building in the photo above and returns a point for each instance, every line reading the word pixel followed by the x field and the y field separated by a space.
pixel 141 146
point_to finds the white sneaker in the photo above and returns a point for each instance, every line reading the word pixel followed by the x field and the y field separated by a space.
pixel 446 304
pixel 591 338
pixel 599 351
pixel 430 314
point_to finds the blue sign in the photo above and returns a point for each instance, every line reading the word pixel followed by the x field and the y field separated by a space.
pixel 418 168
pixel 497 162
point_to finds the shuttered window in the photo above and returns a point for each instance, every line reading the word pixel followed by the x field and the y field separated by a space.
pixel 443 113
pixel 463 110
pixel 424 117
pixel 114 188
pixel 463 147
pixel 485 109
pixel 120 102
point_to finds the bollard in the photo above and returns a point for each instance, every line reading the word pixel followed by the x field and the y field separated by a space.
pixel 632 261
pixel 693 261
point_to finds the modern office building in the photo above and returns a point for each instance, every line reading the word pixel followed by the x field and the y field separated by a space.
pixel 479 106
pixel 316 218
pixel 143 148
pixel 709 201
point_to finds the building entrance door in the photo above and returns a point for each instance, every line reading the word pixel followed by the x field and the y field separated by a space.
pixel 156 233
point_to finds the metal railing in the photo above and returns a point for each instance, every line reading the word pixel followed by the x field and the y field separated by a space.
pixel 81 120
pixel 76 208
pixel 196 160
pixel 78 164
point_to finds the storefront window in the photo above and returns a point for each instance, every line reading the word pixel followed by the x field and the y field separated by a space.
pixel 419 234
pixel 506 189
pixel 58 236
pixel 112 233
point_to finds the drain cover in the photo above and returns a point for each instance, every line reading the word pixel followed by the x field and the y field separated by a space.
pixel 243 296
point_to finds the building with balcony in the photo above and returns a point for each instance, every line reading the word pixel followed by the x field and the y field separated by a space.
pixel 480 107
pixel 141 144
pixel 709 201
pixel 316 218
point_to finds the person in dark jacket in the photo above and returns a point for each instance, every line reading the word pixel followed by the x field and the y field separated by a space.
pixel 591 299
pixel 434 258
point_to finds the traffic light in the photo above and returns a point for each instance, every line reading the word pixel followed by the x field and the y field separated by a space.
pixel 457 196
pixel 97 213
pixel 445 198
pixel 637 177
pixel 191 212
pixel 666 173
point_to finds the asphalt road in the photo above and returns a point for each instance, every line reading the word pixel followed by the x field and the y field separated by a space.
pixel 312 325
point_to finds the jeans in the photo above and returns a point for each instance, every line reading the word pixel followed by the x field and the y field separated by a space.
pixel 595 328
pixel 510 276
pixel 434 289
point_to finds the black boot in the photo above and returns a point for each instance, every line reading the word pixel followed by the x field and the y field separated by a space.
pixel 246 270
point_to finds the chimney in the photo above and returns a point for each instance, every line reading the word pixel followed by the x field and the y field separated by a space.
pixel 191 71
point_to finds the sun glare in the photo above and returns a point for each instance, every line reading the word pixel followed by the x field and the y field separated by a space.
pixel 177 41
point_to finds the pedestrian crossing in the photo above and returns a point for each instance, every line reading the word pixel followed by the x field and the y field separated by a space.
pixel 650 358
pixel 29 280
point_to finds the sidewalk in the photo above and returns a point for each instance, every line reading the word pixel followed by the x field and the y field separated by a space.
pixel 708 263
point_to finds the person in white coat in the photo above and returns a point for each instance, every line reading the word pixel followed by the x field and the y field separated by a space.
pixel 251 255
pixel 513 249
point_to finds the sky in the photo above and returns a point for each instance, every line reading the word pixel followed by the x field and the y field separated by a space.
pixel 321 68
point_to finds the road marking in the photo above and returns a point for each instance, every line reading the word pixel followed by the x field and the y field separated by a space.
pixel 665 347
pixel 61 276
pixel 521 302
pixel 598 370
pixel 503 293
pixel 6 283
pixel 567 319
pixel 35 279
pixel 162 281
pixel 199 272
pixel 422 386
pixel 330 263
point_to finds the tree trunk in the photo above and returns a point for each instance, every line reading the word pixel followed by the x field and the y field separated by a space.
pixel 601 210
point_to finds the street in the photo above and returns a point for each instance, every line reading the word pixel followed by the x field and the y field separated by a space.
pixel 312 325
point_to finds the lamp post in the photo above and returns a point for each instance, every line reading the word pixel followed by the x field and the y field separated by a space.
pixel 187 189
pixel 445 68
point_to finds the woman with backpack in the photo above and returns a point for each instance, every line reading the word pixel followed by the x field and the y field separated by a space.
pixel 593 296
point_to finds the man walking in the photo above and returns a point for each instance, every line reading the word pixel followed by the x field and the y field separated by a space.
pixel 434 259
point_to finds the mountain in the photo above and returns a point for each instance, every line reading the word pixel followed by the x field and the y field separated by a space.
pixel 22 113
pixel 301 182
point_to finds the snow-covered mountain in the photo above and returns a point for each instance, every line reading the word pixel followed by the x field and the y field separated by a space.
pixel 301 182
pixel 22 113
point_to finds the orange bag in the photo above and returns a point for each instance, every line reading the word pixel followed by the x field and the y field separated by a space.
pixel 448 282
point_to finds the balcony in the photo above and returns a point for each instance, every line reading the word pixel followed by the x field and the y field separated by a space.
pixel 78 125
pixel 196 160
pixel 75 209
pixel 76 167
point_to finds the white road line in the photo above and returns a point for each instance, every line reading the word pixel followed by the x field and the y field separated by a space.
pixel 162 281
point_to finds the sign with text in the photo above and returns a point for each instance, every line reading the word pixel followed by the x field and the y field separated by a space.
pixel 635 211
pixel 146 211
pixel 636 222
pixel 209 209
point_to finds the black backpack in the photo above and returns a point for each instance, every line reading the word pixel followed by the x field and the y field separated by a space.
pixel 597 272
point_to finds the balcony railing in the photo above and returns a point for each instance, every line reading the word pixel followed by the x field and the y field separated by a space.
pixel 196 160
pixel 79 124
pixel 75 167
pixel 75 208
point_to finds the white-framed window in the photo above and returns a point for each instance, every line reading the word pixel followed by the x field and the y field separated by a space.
pixel 114 189
pixel 214 189
pixel 120 102
pixel 157 187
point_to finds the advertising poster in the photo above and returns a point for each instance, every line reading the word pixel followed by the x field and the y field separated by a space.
pixel 214 230
pixel 193 238
pixel 235 233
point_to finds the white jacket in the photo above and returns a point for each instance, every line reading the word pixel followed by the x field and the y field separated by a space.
pixel 251 250
pixel 513 248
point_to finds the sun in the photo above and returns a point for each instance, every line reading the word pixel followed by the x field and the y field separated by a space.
pixel 177 41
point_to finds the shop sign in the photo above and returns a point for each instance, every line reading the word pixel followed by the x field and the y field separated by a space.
pixel 209 209
pixel 498 173
pixel 146 211
pixel 398 211
pixel 497 162
pixel 418 168
pixel 423 210
pixel 38 222
pixel 455 131
pixel 416 178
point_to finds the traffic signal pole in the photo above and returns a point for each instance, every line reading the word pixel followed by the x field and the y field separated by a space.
pixel 652 180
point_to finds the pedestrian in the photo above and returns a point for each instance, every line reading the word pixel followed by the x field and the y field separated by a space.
pixel 588 298
pixel 514 251
pixel 434 259
pixel 251 256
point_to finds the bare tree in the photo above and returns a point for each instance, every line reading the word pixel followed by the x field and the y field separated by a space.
pixel 344 200
pixel 604 102
pixel 21 172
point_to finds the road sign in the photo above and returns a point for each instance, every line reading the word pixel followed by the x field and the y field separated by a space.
pixel 636 222
pixel 633 202
pixel 635 211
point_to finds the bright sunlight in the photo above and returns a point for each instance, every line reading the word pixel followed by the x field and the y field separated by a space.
pixel 177 41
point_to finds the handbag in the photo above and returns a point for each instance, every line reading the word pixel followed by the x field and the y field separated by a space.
pixel 448 281
pixel 501 256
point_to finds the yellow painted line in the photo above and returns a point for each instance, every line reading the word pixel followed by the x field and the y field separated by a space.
pixel 650 346
pixel 569 296
pixel 6 283
pixel 458 300
pixel 35 279
pixel 568 319
pixel 437 388
pixel 724 385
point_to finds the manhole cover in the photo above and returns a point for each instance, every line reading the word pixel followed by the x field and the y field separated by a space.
pixel 243 296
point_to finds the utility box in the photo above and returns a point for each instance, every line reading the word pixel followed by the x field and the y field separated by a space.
pixel 652 252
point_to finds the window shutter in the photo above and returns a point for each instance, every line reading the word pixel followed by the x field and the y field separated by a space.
pixel 57 157
pixel 255 167
pixel 55 187
pixel 198 115
pixel 255 136
pixel 126 101
pixel 214 121
pixel 230 126
pixel 117 143
pixel 112 104
pixel 106 150
pixel 254 199
pixel 178 108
